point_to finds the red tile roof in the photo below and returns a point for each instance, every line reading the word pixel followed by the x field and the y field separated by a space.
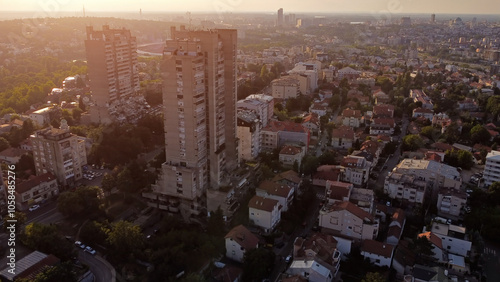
pixel 338 190
pixel 351 113
pixel 378 248
pixel 241 235
pixel 290 150
pixel 35 181
pixel 345 132
pixel 274 188
pixel 264 204
pixel 353 209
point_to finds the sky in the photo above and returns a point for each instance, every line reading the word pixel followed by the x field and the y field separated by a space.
pixel 48 7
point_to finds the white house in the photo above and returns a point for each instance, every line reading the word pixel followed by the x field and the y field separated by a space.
pixel 347 219
pixel 238 241
pixel 264 212
pixel 280 192
pixel 377 252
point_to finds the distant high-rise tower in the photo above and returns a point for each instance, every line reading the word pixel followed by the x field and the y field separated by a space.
pixel 433 18
pixel 112 68
pixel 199 94
pixel 280 17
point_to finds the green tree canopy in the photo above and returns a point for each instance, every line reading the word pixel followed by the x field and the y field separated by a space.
pixel 479 134
pixel 412 142
pixel 125 238
pixel 257 264
pixel 46 238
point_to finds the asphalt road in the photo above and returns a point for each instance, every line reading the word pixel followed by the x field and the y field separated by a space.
pixel 102 271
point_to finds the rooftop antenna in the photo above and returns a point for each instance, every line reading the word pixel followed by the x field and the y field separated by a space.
pixel 84 11
pixel 140 14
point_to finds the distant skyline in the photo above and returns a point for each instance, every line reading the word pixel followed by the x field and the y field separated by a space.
pixel 238 6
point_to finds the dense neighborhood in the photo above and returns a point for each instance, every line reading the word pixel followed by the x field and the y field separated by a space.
pixel 276 148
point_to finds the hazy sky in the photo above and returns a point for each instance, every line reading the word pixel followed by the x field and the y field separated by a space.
pixel 368 6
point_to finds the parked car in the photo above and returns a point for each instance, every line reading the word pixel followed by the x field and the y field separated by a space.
pixel 34 207
pixel 288 259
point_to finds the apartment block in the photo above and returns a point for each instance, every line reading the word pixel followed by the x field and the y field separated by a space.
pixel 285 87
pixel 355 170
pixel 451 202
pixel 492 168
pixel 261 104
pixel 112 68
pixel 249 133
pixel 199 94
pixel 58 151
pixel 407 187
pixel 440 175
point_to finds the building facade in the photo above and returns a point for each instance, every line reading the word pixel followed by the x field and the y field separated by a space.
pixel 112 67
pixel 36 190
pixel 59 152
pixel 201 144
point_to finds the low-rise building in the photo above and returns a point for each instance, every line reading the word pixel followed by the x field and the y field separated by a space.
pixel 453 237
pixel 423 112
pixel 280 192
pixel 437 246
pixel 319 247
pixel 383 111
pixel 351 117
pixel 382 126
pixel 377 252
pixel 343 137
pixel 291 155
pixel 279 133
pixel 248 132
pixel 311 122
pixel 36 190
pixel 355 170
pixel 336 191
pixel 11 155
pixel 347 219
pixel 407 187
pixel 440 175
pixel 238 241
pixel 450 202
pixel 264 212
pixel 325 173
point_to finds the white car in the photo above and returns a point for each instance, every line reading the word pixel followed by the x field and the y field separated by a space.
pixel 34 207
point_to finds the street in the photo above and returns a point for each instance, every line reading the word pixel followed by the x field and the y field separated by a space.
pixel 101 269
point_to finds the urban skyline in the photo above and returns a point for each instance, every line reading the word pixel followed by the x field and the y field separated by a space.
pixel 334 6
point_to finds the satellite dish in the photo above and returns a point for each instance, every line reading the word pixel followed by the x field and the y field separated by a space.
pixel 85 99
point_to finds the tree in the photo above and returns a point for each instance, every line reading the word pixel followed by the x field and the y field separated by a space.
pixel 309 165
pixel 428 131
pixel 257 264
pixel 125 238
pixel 373 277
pixel 216 223
pixel 57 273
pixel 19 216
pixel 108 182
pixel 4 144
pixel 94 232
pixel 479 134
pixel 46 238
pixel 328 158
pixel 412 142
pixel 69 204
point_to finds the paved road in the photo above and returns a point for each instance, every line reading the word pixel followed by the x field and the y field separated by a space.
pixel 47 213
pixel 101 269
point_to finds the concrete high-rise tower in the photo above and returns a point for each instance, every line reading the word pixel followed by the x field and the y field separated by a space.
pixel 280 17
pixel 199 94
pixel 112 68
